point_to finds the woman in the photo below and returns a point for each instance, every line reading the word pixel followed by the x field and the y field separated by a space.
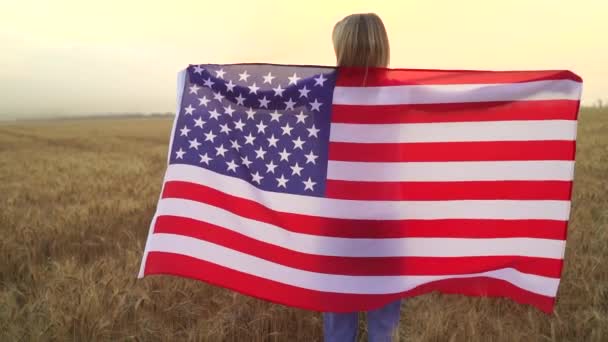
pixel 360 40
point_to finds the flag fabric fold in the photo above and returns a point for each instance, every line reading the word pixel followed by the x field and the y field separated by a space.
pixel 341 189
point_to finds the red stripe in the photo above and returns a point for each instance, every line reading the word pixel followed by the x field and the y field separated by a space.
pixel 456 112
pixel 549 229
pixel 180 265
pixel 437 191
pixel 453 151
pixel 359 266
pixel 358 77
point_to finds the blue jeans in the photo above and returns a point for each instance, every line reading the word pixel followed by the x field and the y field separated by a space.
pixel 381 324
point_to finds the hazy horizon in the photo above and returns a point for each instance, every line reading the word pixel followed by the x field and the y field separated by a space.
pixel 66 57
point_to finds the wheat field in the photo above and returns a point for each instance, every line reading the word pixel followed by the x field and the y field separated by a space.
pixel 76 199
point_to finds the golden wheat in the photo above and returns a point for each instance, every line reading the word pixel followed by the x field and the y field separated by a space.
pixel 76 198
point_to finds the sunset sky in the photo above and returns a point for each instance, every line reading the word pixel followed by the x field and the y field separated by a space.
pixel 64 57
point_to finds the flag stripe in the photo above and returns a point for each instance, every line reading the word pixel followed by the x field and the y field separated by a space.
pixel 353 209
pixel 450 171
pixel 185 266
pixel 242 262
pixel 451 93
pixel 359 247
pixel 437 191
pixel 446 132
pixel 454 151
pixel 456 112
pixel 548 267
pixel 352 228
pixel 356 77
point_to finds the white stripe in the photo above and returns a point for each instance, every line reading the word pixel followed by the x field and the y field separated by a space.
pixel 181 84
pixel 246 263
pixel 458 93
pixel 373 210
pixel 358 247
pixel 455 131
pixel 451 171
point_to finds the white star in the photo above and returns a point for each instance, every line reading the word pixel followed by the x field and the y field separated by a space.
pixel 250 113
pixel 316 105
pixel 239 125
pixel 272 141
pixel 205 158
pixel 189 110
pixel 245 161
pixel 270 167
pixel 261 127
pixel 240 100
pixel 294 79
pixel 253 89
pixel 194 143
pixel 282 182
pixel 259 153
pixel 268 78
pixel 286 129
pixel 194 89
pixel 296 169
pixel 221 151
pixel 230 86
pixel 235 144
pixel 198 69
pixel 209 136
pixel 289 104
pixel 301 117
pixel 220 73
pixel 208 82
pixel 184 131
pixel 264 103
pixel 218 96
pixel 304 92
pixel 199 122
pixel 231 166
pixel 284 155
pixel 244 76
pixel 312 132
pixel 249 139
pixel 180 154
pixel 311 157
pixel 228 110
pixel 214 114
pixel 320 80
pixel 225 129
pixel 203 101
pixel 256 177
pixel 278 91
pixel 298 143
pixel 275 116
pixel 309 184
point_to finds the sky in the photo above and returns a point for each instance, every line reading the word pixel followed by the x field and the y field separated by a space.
pixel 74 57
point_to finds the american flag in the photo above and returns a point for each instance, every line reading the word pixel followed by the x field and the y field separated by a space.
pixel 338 189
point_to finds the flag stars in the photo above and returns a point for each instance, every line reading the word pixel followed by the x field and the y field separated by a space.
pixel 272 141
pixel 260 153
pixel 312 132
pixel 228 110
pixel 245 161
pixel 320 80
pixel 230 86
pixel 184 131
pixel 270 167
pixel 203 101
pixel 189 110
pixel 296 169
pixel 205 158
pixel 239 125
pixel 278 91
pixel 221 151
pixel 298 143
pixel 214 114
pixel 249 139
pixel 289 104
pixel 240 100
pixel 208 82
pixel 282 182
pixel 309 184
pixel 316 105
pixel 218 96
pixel 179 154
pixel 244 76
pixel 311 158
pixel 285 155
pixel 287 129
pixel 199 122
pixel 256 177
pixel 235 144
pixel 294 79
pixel 210 136
pixel 194 143
pixel 301 117
pixel 194 89
pixel 268 78
pixel 304 92
pixel 253 89
pixel 264 102
pixel 250 113
pixel 225 129
pixel 198 69
pixel 220 73
pixel 261 127
pixel 274 116
pixel 231 166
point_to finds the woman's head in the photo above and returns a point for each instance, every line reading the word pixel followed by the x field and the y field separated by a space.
pixel 360 40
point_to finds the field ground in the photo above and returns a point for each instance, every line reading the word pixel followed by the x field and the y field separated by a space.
pixel 76 198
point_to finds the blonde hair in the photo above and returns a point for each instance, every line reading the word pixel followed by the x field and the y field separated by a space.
pixel 360 40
